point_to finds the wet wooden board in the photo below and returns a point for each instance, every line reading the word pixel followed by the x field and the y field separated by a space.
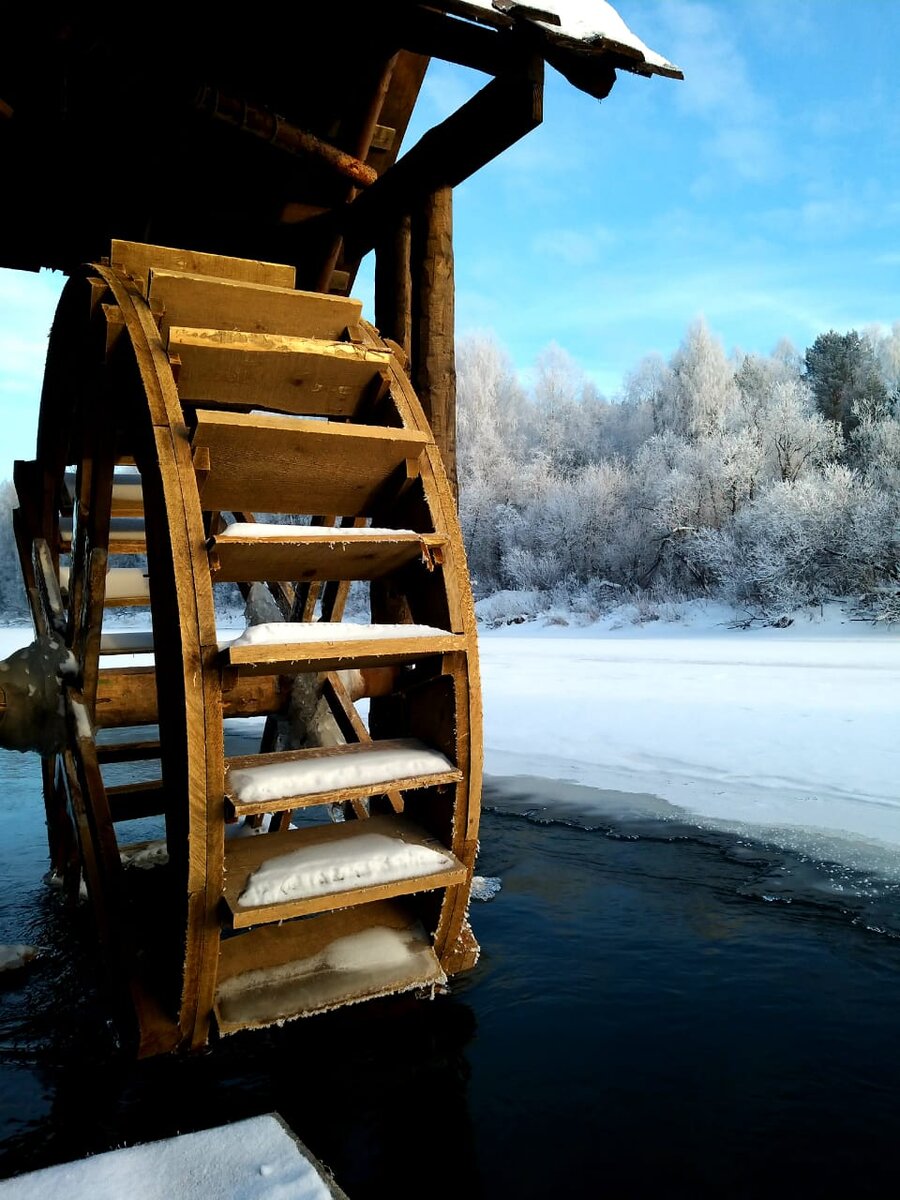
pixel 251 1001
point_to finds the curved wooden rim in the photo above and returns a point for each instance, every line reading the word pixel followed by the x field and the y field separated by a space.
pixel 468 683
pixel 188 683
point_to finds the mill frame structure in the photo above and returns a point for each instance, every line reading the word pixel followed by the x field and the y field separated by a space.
pixel 188 393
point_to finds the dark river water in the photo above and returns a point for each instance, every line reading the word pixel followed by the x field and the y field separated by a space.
pixel 658 1011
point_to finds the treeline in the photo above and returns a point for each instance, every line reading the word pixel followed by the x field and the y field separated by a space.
pixel 770 482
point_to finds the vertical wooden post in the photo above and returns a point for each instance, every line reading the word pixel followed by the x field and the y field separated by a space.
pixel 433 342
pixel 393 286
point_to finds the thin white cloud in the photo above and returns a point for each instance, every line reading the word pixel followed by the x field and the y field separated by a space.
pixel 579 247
pixel 719 91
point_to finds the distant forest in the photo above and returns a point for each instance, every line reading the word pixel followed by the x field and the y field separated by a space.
pixel 768 482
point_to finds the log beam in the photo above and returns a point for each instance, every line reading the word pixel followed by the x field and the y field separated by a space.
pixel 282 134
pixel 433 342
pixel 493 120
pixel 127 696
pixel 479 47
pixel 393 287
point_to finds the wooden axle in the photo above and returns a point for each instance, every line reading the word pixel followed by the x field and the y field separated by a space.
pixel 127 695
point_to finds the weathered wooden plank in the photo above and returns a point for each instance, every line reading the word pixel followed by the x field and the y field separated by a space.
pixel 244 855
pixel 95 513
pixel 282 464
pixel 346 795
pixel 289 659
pixel 48 586
pixel 199 302
pixel 131 641
pixel 297 555
pixel 137 259
pixel 131 801
pixel 126 535
pixel 97 837
pixel 274 371
pixel 127 752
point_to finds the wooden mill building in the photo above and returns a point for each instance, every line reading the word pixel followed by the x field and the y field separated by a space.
pixel 223 411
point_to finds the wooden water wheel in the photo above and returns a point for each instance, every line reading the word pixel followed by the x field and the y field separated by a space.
pixel 193 406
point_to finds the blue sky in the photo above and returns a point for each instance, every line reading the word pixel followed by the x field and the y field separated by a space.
pixel 763 192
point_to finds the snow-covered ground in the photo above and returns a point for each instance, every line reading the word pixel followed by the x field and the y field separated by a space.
pixel 257 1159
pixel 792 732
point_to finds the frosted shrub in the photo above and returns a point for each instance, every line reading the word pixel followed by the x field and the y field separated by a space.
pixel 804 542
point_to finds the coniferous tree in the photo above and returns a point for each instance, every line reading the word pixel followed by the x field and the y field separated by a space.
pixel 842 371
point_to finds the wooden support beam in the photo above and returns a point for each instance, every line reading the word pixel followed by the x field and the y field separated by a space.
pixel 360 132
pixel 440 35
pixel 53 608
pixel 393 288
pixel 282 134
pixel 433 342
pixel 493 120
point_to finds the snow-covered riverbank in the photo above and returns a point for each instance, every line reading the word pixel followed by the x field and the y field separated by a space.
pixel 784 730
pixel 792 732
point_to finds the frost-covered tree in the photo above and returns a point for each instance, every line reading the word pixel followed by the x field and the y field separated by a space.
pixel 801 542
pixel 490 438
pixel 707 474
pixel 490 407
pixel 843 374
pixel 877 444
pixel 795 438
pixel 701 396
pixel 559 414
pixel 886 347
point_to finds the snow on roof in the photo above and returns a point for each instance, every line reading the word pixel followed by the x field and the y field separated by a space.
pixel 257 1160
pixel 583 25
